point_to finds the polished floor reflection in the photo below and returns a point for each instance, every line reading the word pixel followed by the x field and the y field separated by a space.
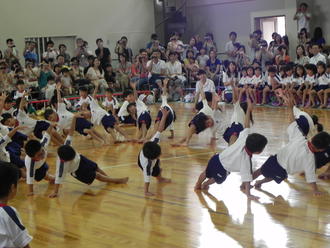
pixel 287 215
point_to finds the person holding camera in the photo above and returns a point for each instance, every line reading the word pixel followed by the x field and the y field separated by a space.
pixel 29 52
pixel 140 70
pixel 303 17
pixel 50 54
pixel 82 53
pixel 209 43
pixel 121 48
pixel 102 53
pixel 262 54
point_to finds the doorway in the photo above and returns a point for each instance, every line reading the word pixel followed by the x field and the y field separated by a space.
pixel 269 25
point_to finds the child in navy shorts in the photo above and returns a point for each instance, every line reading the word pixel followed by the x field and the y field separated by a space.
pixel 35 160
pixel 101 116
pixel 63 118
pixel 143 116
pixel 80 167
pixel 148 159
pixel 201 121
pixel 170 119
pixel 295 157
pixel 235 158
pixel 37 127
pixel 124 115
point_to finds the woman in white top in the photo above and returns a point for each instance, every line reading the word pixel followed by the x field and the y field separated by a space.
pixel 96 75
pixel 302 59
pixel 230 80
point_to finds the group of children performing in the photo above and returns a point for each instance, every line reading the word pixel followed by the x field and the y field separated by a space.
pixel 307 150
pixel 309 84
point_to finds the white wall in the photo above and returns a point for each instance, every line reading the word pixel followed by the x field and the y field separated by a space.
pixel 223 16
pixel 89 19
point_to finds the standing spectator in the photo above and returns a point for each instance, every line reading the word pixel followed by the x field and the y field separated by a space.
pixel 303 38
pixel 29 52
pixel 11 53
pixel 213 66
pixel 318 37
pixel 62 51
pixel 317 56
pixel 50 54
pixel 202 58
pixel 81 52
pixel 121 48
pixel 102 53
pixel 209 43
pixel 174 73
pixel 124 72
pixel 302 59
pixel 256 43
pixel 191 46
pixel 262 54
pixel 229 48
pixel 303 17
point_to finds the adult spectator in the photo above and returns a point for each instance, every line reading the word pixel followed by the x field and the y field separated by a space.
pixel 202 58
pixel 303 17
pixel 31 74
pixel 102 53
pixel 96 74
pixel 81 53
pixel 77 72
pixel 174 73
pixel 199 42
pixel 60 60
pixel 192 47
pixel 157 69
pixel 262 55
pixel 124 72
pixel 318 37
pixel 11 53
pixel 275 43
pixel 50 54
pixel 155 46
pixel 317 56
pixel 121 48
pixel 213 66
pixel 110 77
pixel 303 38
pixel 229 47
pixel 140 70
pixel 62 51
pixel 204 84
pixel 302 59
pixel 153 38
pixel 175 44
pixel 282 55
pixel 6 80
pixel 242 60
pixel 29 52
pixel 209 43
pixel 256 43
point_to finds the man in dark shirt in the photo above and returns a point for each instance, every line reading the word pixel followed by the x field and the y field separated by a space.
pixel 102 53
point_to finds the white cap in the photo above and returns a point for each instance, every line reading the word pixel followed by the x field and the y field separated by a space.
pixel 142 96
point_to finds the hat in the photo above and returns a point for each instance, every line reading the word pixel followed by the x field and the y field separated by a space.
pixel 142 96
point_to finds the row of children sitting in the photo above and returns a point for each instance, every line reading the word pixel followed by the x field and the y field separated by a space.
pixel 310 84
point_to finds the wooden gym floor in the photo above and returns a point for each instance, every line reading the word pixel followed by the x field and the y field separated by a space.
pixel 177 217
